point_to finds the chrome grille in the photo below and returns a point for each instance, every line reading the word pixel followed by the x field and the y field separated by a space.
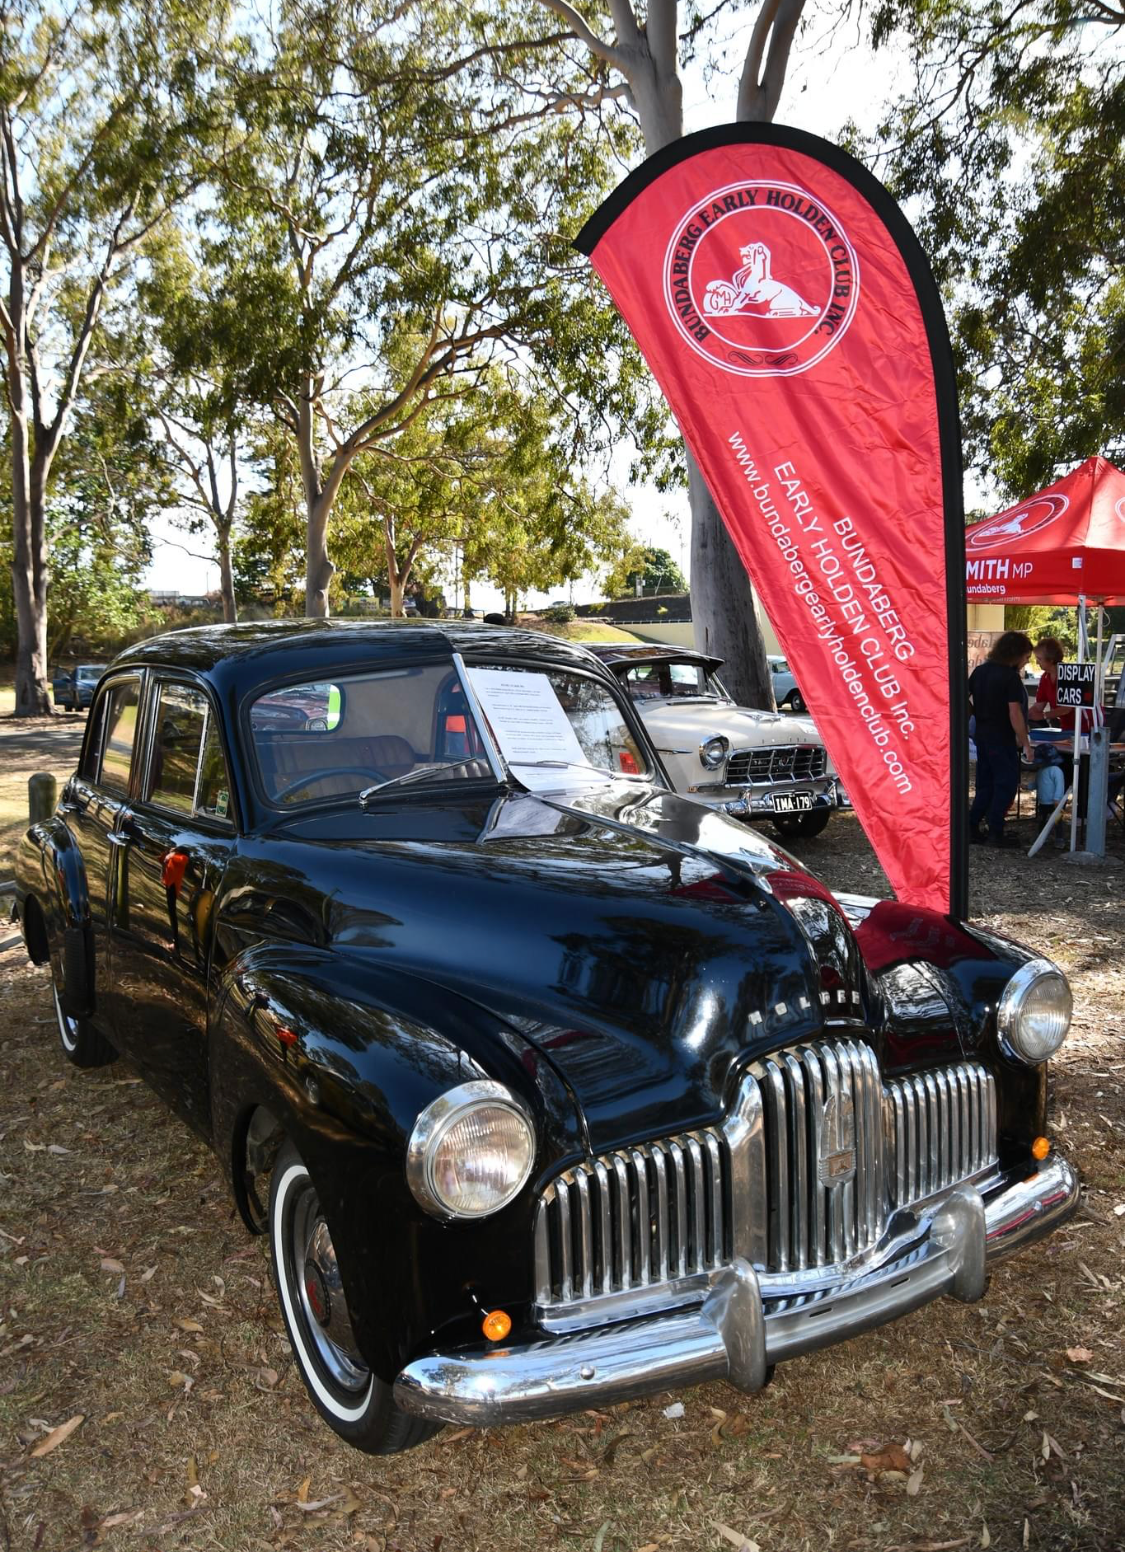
pixel 823 1114
pixel 942 1128
pixel 783 762
pixel 803 1175
pixel 633 1219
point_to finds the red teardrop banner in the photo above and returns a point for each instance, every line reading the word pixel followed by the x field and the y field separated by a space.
pixel 792 322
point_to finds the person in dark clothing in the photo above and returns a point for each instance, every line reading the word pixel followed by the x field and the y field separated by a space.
pixel 999 705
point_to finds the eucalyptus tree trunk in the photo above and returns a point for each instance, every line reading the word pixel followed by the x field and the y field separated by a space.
pixel 226 577
pixel 29 564
pixel 723 613
pixel 319 500
pixel 646 54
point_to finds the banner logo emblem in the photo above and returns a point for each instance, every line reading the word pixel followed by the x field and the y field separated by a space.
pixel 1020 524
pixel 1119 508
pixel 761 279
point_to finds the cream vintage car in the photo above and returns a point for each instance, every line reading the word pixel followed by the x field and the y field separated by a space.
pixel 753 764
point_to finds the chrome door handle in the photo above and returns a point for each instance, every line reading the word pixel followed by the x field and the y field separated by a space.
pixel 116 839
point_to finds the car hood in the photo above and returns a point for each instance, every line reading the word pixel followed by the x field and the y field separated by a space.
pixel 644 945
pixel 679 728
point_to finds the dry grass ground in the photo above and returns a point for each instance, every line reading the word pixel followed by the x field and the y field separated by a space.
pixel 132 1298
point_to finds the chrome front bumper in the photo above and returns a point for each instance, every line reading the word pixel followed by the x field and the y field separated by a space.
pixel 741 799
pixel 736 1334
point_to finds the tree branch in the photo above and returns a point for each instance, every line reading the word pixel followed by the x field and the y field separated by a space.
pixel 567 13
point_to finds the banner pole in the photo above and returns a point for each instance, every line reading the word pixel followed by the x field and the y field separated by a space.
pixel 1078 729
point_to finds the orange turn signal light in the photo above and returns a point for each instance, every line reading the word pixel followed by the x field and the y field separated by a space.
pixel 1040 1148
pixel 496 1325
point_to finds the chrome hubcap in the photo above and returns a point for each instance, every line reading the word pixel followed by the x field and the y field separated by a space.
pixel 315 1274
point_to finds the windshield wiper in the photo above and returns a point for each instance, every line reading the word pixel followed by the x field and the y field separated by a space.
pixel 420 773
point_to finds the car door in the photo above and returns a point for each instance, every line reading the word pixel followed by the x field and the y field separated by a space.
pixel 94 801
pixel 177 838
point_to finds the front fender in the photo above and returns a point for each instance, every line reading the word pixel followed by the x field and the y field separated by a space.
pixel 939 982
pixel 344 1055
pixel 50 871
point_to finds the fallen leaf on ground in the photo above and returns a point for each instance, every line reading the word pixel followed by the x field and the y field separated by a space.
pixel 188 1325
pixel 58 1435
pixel 893 1458
pixel 914 1482
pixel 1079 1354
pixel 110 1265
pixel 736 1538
pixel 319 1503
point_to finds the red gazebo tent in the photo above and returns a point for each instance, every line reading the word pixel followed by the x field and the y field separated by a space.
pixel 1064 544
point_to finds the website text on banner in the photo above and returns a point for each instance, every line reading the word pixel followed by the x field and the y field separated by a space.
pixel 792 323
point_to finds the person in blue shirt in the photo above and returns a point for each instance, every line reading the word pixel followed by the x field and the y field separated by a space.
pixel 999 705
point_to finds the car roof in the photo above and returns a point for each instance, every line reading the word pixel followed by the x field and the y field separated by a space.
pixel 617 652
pixel 237 658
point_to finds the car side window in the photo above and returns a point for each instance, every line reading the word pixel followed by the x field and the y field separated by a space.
pixel 187 772
pixel 212 798
pixel 121 704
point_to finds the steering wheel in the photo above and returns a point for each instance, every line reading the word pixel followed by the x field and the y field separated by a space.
pixel 333 770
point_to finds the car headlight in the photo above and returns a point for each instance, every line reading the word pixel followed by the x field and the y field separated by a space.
pixel 1034 1012
pixel 713 753
pixel 471 1151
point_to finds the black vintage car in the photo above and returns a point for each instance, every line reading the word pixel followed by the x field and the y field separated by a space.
pixel 550 1087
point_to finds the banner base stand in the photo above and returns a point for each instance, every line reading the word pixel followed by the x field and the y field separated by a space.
pixel 1092 859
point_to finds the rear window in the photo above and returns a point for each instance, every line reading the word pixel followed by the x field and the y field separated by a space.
pixel 118 730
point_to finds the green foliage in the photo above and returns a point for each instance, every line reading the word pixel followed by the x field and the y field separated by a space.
pixel 656 571
pixel 103 496
pixel 560 614
pixel 1039 620
pixel 1010 148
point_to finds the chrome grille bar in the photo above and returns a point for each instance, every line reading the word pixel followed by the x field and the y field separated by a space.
pixel 944 1130
pixel 809 1164
pixel 781 762
pixel 634 1219
pixel 823 1111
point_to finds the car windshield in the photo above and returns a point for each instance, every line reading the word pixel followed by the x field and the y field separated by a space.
pixel 404 729
pixel 669 680
pixel 91 671
pixel 331 738
pixel 555 727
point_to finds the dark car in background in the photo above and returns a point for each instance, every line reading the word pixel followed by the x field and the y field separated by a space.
pixel 74 690
pixel 550 1088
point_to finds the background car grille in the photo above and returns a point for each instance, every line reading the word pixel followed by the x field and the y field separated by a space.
pixel 633 1219
pixel 835 1150
pixel 786 762
pixel 943 1126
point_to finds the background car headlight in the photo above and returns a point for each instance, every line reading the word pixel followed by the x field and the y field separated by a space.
pixel 713 753
pixel 471 1151
pixel 1034 1012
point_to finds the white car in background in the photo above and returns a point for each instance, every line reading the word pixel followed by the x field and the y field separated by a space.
pixel 753 764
